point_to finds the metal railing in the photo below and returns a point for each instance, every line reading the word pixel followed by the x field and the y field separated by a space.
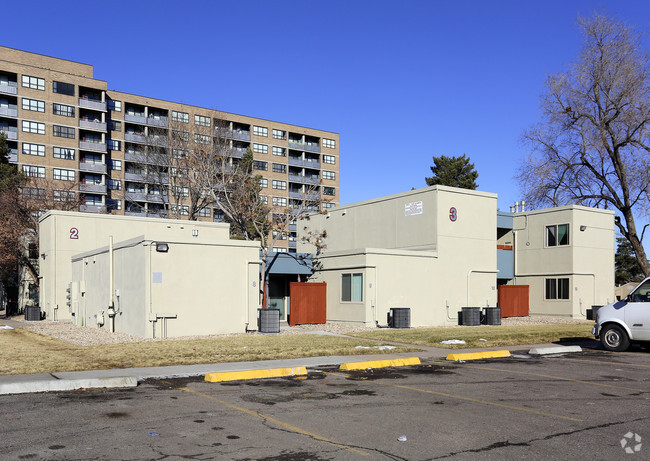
pixel 91 125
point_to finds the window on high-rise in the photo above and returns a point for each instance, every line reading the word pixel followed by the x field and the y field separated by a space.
pixel 331 175
pixel 63 109
pixel 63 175
pixel 329 143
pixel 260 131
pixel 330 159
pixel 33 149
pixel 182 117
pixel 201 120
pixel 281 151
pixel 63 131
pixel 279 168
pixel 63 153
pixel 260 148
pixel 33 127
pixel 63 88
pixel 279 134
pixel 34 171
pixel 33 104
pixel 34 83
pixel 281 185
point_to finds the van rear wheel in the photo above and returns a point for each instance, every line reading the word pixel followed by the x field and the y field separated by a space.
pixel 614 338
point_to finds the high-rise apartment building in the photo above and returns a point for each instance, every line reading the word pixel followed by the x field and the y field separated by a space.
pixel 85 142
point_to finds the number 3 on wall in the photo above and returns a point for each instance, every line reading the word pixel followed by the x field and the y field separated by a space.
pixel 74 233
pixel 453 214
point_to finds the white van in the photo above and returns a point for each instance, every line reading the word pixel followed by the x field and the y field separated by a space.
pixel 620 323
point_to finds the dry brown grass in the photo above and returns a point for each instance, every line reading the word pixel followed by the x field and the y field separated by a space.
pixel 27 352
pixel 495 335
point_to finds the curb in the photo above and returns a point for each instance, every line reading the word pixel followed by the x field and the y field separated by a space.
pixel 478 355
pixel 380 363
pixel 554 350
pixel 53 385
pixel 254 374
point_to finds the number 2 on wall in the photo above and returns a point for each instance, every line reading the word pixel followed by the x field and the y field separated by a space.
pixel 74 233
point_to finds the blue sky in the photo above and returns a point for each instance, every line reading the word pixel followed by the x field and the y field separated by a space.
pixel 400 81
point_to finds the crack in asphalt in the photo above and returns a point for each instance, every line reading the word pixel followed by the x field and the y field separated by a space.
pixel 507 443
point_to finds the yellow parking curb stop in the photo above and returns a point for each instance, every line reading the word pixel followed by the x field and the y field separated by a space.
pixel 254 374
pixel 380 363
pixel 478 355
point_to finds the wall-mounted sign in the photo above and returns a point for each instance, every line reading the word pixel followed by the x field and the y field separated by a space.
pixel 74 233
pixel 453 214
pixel 412 208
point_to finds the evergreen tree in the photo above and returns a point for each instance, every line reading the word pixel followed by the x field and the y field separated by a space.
pixel 453 172
pixel 627 266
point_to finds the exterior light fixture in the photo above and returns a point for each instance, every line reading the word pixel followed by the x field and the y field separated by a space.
pixel 583 228
pixel 162 247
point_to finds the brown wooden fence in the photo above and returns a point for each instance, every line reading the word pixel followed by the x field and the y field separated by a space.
pixel 513 300
pixel 308 303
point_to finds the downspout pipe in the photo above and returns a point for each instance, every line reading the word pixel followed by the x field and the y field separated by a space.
pixel 111 285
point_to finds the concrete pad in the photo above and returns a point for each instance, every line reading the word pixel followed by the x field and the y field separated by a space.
pixel 50 385
pixel 254 374
pixel 380 363
pixel 554 350
pixel 478 355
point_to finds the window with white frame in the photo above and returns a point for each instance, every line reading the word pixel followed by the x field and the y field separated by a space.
pixel 63 109
pixel 329 159
pixel 329 191
pixel 116 164
pixel 327 205
pixel 63 131
pixel 557 235
pixel 34 83
pixel 260 131
pixel 63 152
pixel 279 201
pixel 260 148
pixel 264 199
pixel 279 168
pixel 63 175
pixel 179 153
pixel 281 185
pixel 114 184
pixel 279 134
pixel 183 210
pixel 556 288
pixel 329 175
pixel 114 125
pixel 33 104
pixel 204 212
pixel 201 120
pixel 34 171
pixel 33 127
pixel 64 195
pixel 182 117
pixel 281 151
pixel 33 149
pixel 352 288
pixel 264 183
pixel 329 143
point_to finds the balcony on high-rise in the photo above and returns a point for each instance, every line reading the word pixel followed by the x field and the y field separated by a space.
pixel 91 98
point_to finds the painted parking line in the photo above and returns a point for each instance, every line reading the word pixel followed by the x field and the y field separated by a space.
pixel 541 375
pixel 469 399
pixel 277 422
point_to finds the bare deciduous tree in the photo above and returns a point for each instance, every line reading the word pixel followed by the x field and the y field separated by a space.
pixel 592 146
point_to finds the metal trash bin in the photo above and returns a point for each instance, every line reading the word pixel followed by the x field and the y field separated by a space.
pixel 399 317
pixel 268 320
pixel 471 316
pixel 32 313
pixel 493 316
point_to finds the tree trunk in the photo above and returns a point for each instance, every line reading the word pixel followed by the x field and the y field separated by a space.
pixel 631 234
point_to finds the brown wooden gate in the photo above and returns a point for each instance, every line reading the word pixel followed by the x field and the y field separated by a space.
pixel 308 303
pixel 513 300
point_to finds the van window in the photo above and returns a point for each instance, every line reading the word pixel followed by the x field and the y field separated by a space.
pixel 642 293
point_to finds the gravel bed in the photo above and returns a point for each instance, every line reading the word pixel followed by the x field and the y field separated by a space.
pixel 87 336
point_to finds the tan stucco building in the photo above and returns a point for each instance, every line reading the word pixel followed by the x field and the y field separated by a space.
pixel 203 283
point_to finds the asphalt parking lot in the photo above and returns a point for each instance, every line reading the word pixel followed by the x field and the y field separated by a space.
pixel 567 407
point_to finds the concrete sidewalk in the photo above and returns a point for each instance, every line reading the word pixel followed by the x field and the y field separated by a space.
pixel 129 377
